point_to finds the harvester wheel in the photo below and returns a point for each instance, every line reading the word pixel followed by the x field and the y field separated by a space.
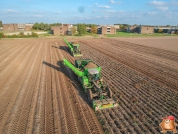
pixel 109 93
pixel 89 94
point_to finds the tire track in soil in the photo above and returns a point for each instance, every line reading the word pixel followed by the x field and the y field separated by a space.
pixel 5 56
pixel 140 98
pixel 145 51
pixel 114 81
pixel 7 72
pixel 35 100
pixel 24 118
pixel 9 54
pixel 6 47
pixel 49 119
pixel 59 121
pixel 70 117
pixel 167 54
pixel 157 77
pixel 18 107
pixel 10 72
pixel 37 126
pixel 10 97
pixel 158 64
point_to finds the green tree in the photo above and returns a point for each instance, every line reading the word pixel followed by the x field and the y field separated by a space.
pixel 34 34
pixel 46 26
pixel 1 24
pixel 81 29
pixel 41 26
pixel 56 24
pixel 73 30
pixel 36 26
pixel 1 35
pixel 22 33
pixel 93 29
pixel 121 27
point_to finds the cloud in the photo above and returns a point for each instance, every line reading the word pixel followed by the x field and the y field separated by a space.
pixel 160 5
pixel 151 13
pixel 37 16
pixel 104 11
pixel 110 11
pixel 157 3
pixel 57 12
pixel 162 8
pixel 174 3
pixel 113 2
pixel 102 6
pixel 11 11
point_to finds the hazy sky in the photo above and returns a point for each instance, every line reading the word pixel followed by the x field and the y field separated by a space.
pixel 151 12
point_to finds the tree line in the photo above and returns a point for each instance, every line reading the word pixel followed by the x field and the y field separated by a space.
pixel 1 24
pixel 81 28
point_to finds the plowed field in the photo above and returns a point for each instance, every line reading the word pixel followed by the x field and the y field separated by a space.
pixel 38 94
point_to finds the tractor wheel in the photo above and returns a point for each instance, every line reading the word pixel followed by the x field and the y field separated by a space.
pixel 109 93
pixel 89 94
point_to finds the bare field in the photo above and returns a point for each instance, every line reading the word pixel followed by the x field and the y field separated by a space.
pixel 38 94
pixel 167 43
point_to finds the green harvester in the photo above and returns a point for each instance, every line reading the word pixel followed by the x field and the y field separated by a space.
pixel 74 48
pixel 97 90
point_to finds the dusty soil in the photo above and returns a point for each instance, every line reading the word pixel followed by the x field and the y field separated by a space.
pixel 91 65
pixel 38 94
pixel 167 43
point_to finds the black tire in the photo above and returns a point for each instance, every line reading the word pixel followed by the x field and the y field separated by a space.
pixel 109 93
pixel 89 94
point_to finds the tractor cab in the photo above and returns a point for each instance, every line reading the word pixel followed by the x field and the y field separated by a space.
pixel 93 74
pixel 75 47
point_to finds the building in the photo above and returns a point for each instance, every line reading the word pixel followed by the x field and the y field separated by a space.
pixel 117 27
pixel 88 29
pixel 65 29
pixel 146 30
pixel 10 27
pixel 28 27
pixel 106 30
pixel 169 30
pixel 133 29
pixel 141 29
pixel 21 27
pixel 17 27
pixel 60 30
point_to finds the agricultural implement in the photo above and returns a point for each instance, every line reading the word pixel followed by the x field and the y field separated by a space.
pixel 74 48
pixel 97 90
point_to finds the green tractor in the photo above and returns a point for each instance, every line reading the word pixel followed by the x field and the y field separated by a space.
pixel 74 48
pixel 97 90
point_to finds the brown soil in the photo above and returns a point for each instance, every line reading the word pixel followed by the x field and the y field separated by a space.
pixel 91 65
pixel 38 94
pixel 74 43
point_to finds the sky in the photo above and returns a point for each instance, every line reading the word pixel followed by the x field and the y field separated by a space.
pixel 145 12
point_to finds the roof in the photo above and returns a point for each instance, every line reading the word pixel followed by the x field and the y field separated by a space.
pixel 93 71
